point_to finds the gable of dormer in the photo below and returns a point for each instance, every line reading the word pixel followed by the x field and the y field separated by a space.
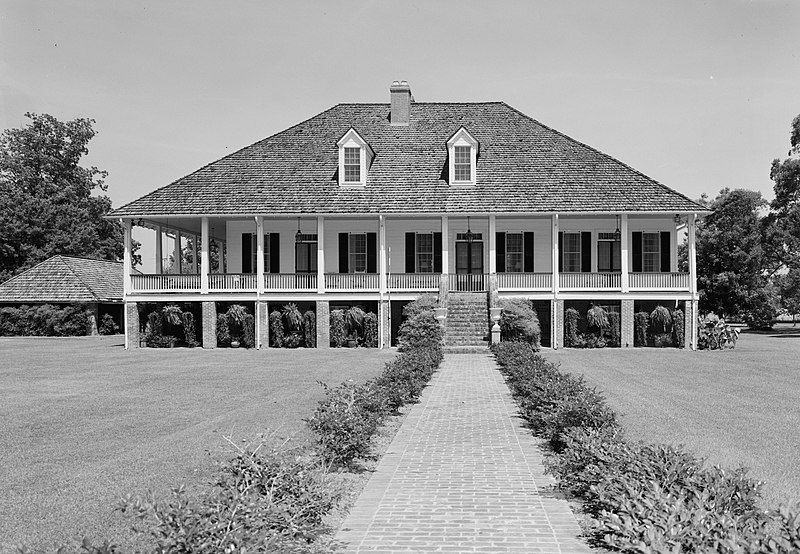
pixel 462 153
pixel 355 158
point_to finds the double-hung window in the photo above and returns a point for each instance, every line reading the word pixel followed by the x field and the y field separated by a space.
pixel 609 257
pixel 424 253
pixel 463 163
pixel 352 165
pixel 572 252
pixel 651 252
pixel 358 253
pixel 254 252
pixel 514 252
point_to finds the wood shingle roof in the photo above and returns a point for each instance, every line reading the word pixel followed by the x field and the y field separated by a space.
pixel 523 167
pixel 64 279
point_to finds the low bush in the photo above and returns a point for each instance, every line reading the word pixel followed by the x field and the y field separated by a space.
pixel 614 329
pixel 262 499
pixel 223 333
pixel 45 320
pixel 714 334
pixel 678 328
pixel 644 497
pixel 640 328
pixel 293 326
pixel 249 331
pixel 422 330
pixel 107 325
pixel 519 322
pixel 276 333
pixel 310 328
pixel 371 330
pixel 189 333
pixel 424 303
pixel 571 317
pixel 337 329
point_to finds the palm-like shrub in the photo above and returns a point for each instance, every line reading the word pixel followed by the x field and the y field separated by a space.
pixel 354 321
pixel 660 320
pixel 236 313
pixel 173 315
pixel 597 317
pixel 293 318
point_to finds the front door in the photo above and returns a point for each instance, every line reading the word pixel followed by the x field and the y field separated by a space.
pixel 469 266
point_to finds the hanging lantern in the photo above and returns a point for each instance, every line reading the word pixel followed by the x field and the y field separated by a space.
pixel 298 233
pixel 617 233
pixel 470 236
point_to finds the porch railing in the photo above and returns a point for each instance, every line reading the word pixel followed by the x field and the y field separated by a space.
pixel 524 281
pixel 290 281
pixel 414 281
pixel 232 281
pixel 468 282
pixel 165 282
pixel 351 281
pixel 590 281
pixel 659 281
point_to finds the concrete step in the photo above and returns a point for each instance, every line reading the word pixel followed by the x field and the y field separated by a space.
pixel 466 349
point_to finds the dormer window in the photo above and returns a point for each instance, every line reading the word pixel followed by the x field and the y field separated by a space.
pixel 462 151
pixel 355 156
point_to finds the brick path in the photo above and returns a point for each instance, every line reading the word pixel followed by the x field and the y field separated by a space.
pixel 461 475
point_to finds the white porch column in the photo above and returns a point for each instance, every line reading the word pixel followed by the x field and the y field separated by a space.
pixel 320 254
pixel 556 253
pixel 195 259
pixel 127 262
pixel 382 281
pixel 159 252
pixel 177 255
pixel 259 254
pixel 205 259
pixel 692 226
pixel 445 246
pixel 492 244
pixel 623 252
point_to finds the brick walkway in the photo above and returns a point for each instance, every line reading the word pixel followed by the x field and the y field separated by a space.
pixel 461 475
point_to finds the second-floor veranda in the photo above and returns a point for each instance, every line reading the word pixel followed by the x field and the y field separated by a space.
pixel 375 254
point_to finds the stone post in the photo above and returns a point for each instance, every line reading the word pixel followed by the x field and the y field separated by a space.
pixel 323 324
pixel 688 319
pixel 263 324
pixel 493 295
pixel 209 324
pixel 131 325
pixel 383 310
pixel 558 322
pixel 444 290
pixel 626 324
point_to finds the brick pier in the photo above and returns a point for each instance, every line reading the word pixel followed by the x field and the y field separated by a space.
pixel 462 475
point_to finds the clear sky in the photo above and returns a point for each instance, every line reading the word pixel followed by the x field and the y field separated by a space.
pixel 698 95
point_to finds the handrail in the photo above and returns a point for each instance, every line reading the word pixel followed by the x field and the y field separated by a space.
pixel 524 281
pixel 589 281
pixel 351 281
pixel 414 281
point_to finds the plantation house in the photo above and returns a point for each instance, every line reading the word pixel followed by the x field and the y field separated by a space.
pixel 375 204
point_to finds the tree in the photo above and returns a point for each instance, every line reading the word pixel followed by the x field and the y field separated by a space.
pixel 47 206
pixel 731 264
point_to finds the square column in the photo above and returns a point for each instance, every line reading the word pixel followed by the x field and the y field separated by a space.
pixel 195 259
pixel 205 259
pixel 159 252
pixel 131 325
pixel 262 318
pixel 209 324
pixel 444 281
pixel 556 257
pixel 692 329
pixel 623 250
pixel 127 263
pixel 259 254
pixel 385 340
pixel 177 255
pixel 626 324
pixel 323 324
pixel 382 262
pixel 558 324
pixel 320 266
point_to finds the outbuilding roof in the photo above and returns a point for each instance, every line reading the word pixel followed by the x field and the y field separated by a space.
pixel 65 279
pixel 523 166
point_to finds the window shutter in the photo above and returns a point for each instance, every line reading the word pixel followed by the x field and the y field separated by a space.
pixel 274 253
pixel 372 253
pixel 411 247
pixel 247 252
pixel 344 254
pixel 665 253
pixel 500 251
pixel 586 251
pixel 437 252
pixel 560 251
pixel 636 248
pixel 527 245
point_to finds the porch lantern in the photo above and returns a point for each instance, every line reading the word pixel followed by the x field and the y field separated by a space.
pixel 298 234
pixel 617 232
pixel 470 236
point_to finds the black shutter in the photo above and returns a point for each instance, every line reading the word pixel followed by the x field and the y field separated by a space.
pixel 586 251
pixel 274 253
pixel 372 253
pixel 437 252
pixel 636 247
pixel 527 245
pixel 560 251
pixel 665 253
pixel 344 254
pixel 500 249
pixel 247 253
pixel 411 239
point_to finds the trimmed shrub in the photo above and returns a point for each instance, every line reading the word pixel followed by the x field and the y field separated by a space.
pixel 614 329
pixel 107 325
pixel 571 317
pixel 420 331
pixel 424 303
pixel 338 331
pixel 293 326
pixel 310 328
pixel 154 331
pixel 189 333
pixel 249 331
pixel 678 328
pixel 371 330
pixel 223 332
pixel 276 329
pixel 640 326
pixel 519 322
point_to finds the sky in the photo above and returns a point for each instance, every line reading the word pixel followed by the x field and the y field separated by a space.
pixel 698 95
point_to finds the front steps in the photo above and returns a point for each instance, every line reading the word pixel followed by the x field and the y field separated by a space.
pixel 467 323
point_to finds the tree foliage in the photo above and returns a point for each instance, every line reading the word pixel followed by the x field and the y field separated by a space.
pixel 48 202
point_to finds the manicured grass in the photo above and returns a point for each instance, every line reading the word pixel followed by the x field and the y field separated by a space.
pixel 735 407
pixel 82 422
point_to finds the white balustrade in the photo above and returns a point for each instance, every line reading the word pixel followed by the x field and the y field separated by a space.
pixel 414 281
pixel 165 282
pixel 524 281
pixel 351 281
pixel 232 281
pixel 468 282
pixel 290 281
pixel 589 281
pixel 659 281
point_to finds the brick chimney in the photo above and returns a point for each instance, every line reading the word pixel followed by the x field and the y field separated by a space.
pixel 400 93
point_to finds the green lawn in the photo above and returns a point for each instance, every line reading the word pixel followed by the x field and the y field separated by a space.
pixel 82 421
pixel 735 407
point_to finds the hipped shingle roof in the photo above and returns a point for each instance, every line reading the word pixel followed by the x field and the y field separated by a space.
pixel 64 279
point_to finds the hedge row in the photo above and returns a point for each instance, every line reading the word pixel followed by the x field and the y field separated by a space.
pixel 45 320
pixel 347 419
pixel 643 497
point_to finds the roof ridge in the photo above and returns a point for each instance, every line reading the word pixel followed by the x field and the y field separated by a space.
pixel 609 156
pixel 78 277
